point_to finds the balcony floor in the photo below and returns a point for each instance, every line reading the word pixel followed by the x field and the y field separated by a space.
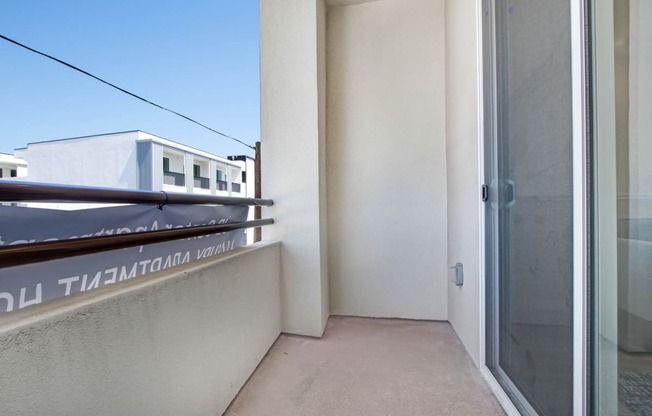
pixel 364 366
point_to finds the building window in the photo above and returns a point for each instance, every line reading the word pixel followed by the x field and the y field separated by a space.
pixel 0 172
pixel 166 164
pixel 244 177
pixel 196 171
pixel 218 173
pixel 13 173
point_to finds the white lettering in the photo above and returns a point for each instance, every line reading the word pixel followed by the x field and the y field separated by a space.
pixel 124 275
pixel 38 297
pixel 186 258
pixel 156 264
pixel 83 283
pixel 144 264
pixel 21 242
pixel 10 300
pixel 95 283
pixel 113 272
pixel 68 282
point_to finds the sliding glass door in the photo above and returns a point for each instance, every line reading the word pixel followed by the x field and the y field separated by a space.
pixel 529 214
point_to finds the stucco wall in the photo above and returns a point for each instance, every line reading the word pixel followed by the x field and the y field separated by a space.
pixel 386 152
pixel 462 151
pixel 92 160
pixel 181 342
pixel 292 131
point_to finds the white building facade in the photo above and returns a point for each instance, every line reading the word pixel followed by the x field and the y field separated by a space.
pixel 12 167
pixel 132 160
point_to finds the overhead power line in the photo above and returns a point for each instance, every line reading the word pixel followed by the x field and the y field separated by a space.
pixel 123 90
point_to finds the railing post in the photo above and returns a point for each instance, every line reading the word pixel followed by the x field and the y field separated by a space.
pixel 257 193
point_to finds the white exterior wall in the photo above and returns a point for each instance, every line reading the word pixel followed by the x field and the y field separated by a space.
pixel 8 163
pixel 250 186
pixel 293 132
pixel 463 131
pixel 387 159
pixel 188 162
pixel 22 171
pixel 106 161
pixel 179 342
pixel 176 159
pixel 379 66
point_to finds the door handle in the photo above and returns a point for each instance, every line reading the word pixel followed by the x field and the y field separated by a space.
pixel 509 193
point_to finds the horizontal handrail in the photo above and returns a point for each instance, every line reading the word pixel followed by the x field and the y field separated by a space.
pixel 20 254
pixel 12 191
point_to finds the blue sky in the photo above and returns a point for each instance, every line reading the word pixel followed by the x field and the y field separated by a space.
pixel 197 57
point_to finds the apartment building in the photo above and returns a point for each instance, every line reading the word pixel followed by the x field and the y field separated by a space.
pixel 132 160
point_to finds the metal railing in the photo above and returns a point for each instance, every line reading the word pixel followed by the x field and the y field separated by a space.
pixel 19 254
pixel 201 182
pixel 235 187
pixel 174 178
pixel 222 185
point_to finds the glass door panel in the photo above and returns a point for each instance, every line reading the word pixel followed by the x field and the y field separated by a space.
pixel 623 207
pixel 529 217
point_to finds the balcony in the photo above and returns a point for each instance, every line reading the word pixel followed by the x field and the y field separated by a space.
pixel 240 313
pixel 184 341
pixel 201 182
pixel 174 178
pixel 222 185
pixel 235 187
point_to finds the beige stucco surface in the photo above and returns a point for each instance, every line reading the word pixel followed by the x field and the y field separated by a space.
pixel 181 342
pixel 293 154
pixel 463 138
pixel 386 152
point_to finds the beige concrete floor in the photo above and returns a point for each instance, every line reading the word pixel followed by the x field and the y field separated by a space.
pixel 364 366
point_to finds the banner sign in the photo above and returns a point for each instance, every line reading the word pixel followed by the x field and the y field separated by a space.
pixel 31 284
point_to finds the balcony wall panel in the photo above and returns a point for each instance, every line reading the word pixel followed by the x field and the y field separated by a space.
pixel 292 59
pixel 179 342
pixel 463 152
pixel 386 153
